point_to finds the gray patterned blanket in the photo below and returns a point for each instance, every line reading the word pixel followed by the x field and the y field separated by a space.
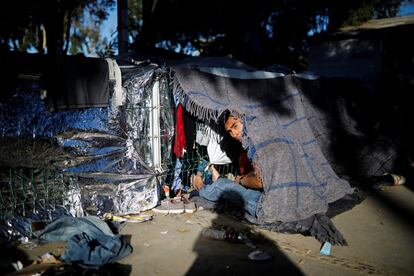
pixel 298 181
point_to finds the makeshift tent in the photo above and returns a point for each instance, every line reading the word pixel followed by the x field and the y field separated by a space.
pixel 289 138
pixel 113 158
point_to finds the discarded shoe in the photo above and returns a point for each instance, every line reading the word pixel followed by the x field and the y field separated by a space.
pixel 171 206
pixel 398 179
pixel 386 180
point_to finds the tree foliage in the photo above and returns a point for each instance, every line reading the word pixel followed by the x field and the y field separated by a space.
pixel 58 26
pixel 257 32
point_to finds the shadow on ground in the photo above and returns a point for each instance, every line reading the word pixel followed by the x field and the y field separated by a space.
pixel 231 254
pixel 223 257
pixel 403 212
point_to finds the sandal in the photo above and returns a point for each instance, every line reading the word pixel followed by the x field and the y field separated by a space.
pixel 170 206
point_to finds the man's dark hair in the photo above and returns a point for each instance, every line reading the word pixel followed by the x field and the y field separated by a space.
pixel 231 147
pixel 226 115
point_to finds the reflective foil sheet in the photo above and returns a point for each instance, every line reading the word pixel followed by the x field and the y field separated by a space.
pixel 107 152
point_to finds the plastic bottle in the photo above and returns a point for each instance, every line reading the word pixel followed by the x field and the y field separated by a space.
pixel 166 191
pixel 230 234
pixel 213 234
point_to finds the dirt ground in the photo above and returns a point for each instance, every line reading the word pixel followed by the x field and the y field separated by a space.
pixel 379 232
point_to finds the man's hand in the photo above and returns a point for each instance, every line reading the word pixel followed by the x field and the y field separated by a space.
pixel 249 180
pixel 238 178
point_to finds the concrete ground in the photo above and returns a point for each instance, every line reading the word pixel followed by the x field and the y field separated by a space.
pixel 379 232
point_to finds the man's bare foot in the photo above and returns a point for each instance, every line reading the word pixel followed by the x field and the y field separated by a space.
pixel 197 181
pixel 214 173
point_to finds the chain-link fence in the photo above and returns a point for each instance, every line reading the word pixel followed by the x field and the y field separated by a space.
pixel 24 190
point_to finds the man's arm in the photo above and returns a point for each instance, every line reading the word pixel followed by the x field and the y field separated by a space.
pixel 250 180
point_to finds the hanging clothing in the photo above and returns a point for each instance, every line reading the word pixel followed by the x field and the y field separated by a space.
pixel 215 154
pixel 177 182
pixel 189 129
pixel 179 140
pixel 202 137
pixel 206 136
pixel 244 164
pixel 116 77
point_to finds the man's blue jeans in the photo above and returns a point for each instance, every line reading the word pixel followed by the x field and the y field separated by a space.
pixel 237 194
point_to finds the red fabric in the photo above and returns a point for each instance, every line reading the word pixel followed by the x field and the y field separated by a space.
pixel 179 140
pixel 244 164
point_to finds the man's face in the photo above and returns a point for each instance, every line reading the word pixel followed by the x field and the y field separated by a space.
pixel 234 128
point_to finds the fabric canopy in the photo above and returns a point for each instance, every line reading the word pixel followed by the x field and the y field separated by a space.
pixel 298 181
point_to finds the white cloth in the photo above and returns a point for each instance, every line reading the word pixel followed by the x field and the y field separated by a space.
pixel 206 136
pixel 115 75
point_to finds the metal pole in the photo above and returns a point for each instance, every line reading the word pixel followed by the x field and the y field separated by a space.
pixel 122 27
pixel 155 113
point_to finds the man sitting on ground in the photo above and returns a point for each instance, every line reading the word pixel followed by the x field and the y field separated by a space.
pixel 245 191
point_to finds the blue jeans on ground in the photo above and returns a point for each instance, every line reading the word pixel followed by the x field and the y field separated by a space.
pixel 237 194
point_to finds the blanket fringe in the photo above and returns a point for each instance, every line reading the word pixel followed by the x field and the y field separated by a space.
pixel 199 111
pixel 206 114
